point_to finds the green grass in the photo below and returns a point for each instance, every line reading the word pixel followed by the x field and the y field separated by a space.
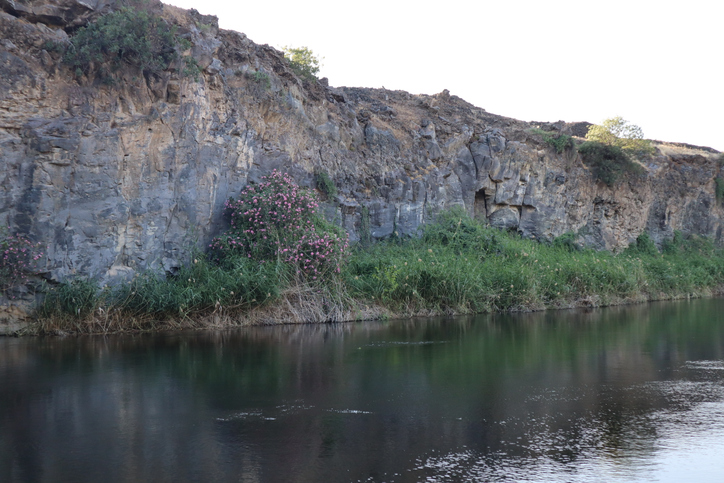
pixel 195 290
pixel 77 298
pixel 200 288
pixel 461 266
pixel 457 266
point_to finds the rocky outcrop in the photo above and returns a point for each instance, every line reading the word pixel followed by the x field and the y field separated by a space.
pixel 58 13
pixel 114 179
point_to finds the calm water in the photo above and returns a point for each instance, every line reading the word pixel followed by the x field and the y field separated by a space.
pixel 621 394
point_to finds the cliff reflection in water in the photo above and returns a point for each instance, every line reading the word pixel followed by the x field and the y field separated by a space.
pixel 488 398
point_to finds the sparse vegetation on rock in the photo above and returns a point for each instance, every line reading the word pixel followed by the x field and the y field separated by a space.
pixel 325 184
pixel 559 142
pixel 260 79
pixel 719 189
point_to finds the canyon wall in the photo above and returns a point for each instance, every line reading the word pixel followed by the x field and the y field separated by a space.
pixel 114 179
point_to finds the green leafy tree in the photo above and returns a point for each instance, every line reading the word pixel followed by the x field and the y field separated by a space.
pixel 303 61
pixel 618 132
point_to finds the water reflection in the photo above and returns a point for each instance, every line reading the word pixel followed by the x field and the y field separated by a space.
pixel 621 394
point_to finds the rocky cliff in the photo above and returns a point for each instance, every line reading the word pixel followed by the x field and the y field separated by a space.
pixel 118 178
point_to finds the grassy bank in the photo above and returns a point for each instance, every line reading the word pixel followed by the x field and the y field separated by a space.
pixel 461 266
pixel 457 266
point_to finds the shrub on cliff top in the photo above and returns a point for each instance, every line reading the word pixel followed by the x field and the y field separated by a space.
pixel 608 162
pixel 127 36
pixel 277 220
pixel 303 61
pixel 618 132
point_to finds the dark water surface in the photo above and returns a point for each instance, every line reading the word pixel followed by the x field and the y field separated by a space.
pixel 612 395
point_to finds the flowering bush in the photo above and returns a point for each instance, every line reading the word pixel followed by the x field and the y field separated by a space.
pixel 277 221
pixel 18 258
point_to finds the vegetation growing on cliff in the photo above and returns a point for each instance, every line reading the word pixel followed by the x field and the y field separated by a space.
pixel 620 133
pixel 559 142
pixel 277 221
pixel 609 162
pixel 126 37
pixel 325 184
pixel 719 189
pixel 275 240
pixel 610 147
pixel 261 81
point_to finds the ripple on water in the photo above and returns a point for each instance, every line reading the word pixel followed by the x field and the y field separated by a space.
pixel 265 414
pixel 706 365
pixel 281 411
pixel 682 441
pixel 348 411
pixel 404 343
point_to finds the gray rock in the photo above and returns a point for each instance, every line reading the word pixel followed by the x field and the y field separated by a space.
pixel 505 217
pixel 71 13
pixel 381 140
pixel 330 130
pixel 215 66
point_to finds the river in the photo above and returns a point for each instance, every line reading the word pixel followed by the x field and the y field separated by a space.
pixel 621 394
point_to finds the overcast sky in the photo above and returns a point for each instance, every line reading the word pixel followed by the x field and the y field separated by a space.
pixel 658 64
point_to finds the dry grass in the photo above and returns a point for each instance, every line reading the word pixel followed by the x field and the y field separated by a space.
pixel 305 304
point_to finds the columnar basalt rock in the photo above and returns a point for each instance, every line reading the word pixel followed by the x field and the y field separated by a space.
pixel 131 176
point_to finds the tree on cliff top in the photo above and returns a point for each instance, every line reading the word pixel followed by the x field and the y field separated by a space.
pixel 618 132
pixel 303 61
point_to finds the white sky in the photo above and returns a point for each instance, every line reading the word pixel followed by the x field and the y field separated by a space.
pixel 658 64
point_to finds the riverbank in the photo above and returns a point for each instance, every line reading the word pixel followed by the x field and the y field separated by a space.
pixel 457 266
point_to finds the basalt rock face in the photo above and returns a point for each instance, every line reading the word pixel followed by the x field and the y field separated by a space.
pixel 114 179
pixel 57 13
